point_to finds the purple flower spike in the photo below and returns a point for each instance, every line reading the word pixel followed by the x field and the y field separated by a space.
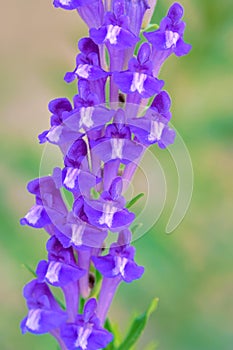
pixel 117 111
pixel 169 37
pixel 86 332
pixel 44 313
pixel 119 262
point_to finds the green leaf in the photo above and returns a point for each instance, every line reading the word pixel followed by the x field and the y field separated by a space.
pixel 151 27
pixel 134 200
pixel 30 270
pixel 138 326
pixel 94 193
pixel 81 305
pixel 60 303
pixel 108 326
pixel 113 328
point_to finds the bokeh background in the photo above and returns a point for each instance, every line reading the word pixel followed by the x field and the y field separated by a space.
pixel 191 269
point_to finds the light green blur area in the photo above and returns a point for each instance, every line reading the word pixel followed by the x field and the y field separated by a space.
pixel 190 270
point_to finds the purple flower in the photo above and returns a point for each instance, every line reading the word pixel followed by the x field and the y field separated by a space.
pixel 116 143
pixel 88 114
pixel 58 273
pixel 87 63
pixel 153 127
pixel 79 233
pixel 119 262
pixel 169 36
pixel 138 78
pixel 44 314
pixel 86 333
pixel 59 134
pixel 115 30
pixel 108 211
pixel 117 148
pixel 78 181
pixel 57 107
pixel 49 207
pixel 71 4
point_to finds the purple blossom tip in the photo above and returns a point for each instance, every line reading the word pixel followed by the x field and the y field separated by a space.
pixel 175 12
pixel 67 4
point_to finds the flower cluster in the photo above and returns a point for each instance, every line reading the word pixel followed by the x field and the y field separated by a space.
pixel 119 111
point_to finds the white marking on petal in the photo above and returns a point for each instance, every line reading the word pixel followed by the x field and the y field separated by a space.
pixel 65 2
pixel 53 271
pixel 34 214
pixel 86 117
pixel 120 263
pixel 33 320
pixel 71 176
pixel 138 82
pixel 112 33
pixel 83 335
pixel 108 213
pixel 54 134
pixel 83 70
pixel 155 130
pixel 171 38
pixel 77 234
pixel 117 148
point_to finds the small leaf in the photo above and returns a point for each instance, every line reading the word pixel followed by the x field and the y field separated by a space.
pixel 108 326
pixel 138 326
pixel 113 328
pixel 94 193
pixel 30 270
pixel 151 27
pixel 68 197
pixel 81 305
pixel 60 303
pixel 134 200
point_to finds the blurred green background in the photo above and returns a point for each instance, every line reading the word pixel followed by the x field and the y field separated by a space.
pixel 190 270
